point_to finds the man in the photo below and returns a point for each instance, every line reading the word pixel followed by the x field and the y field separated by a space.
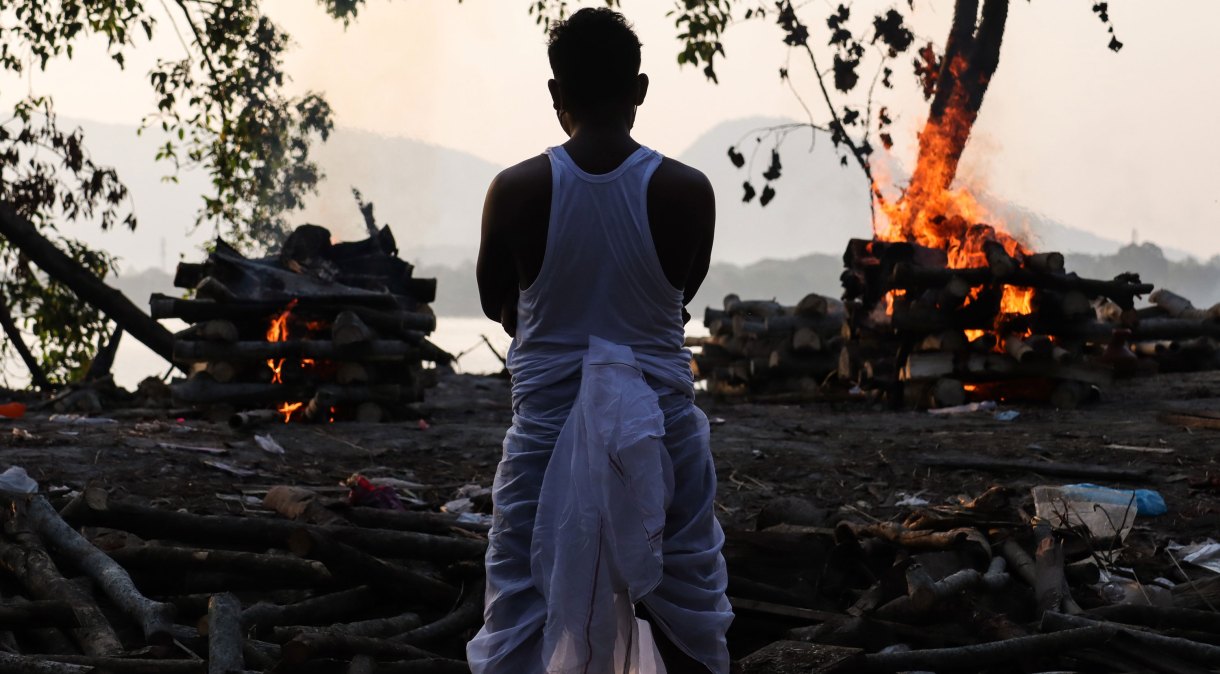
pixel 604 495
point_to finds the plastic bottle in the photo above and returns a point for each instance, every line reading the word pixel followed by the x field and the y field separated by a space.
pixel 12 410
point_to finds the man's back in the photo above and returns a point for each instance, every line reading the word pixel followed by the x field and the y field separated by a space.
pixel 680 212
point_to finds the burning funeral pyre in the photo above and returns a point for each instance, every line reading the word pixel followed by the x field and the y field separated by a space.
pixel 925 327
pixel 940 309
pixel 322 331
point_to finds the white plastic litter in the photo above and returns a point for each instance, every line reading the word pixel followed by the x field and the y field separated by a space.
pixel 15 480
pixel 985 406
pixel 269 445
pixel 1205 554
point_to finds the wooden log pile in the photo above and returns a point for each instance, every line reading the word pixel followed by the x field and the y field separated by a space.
pixel 320 331
pixel 764 350
pixel 1010 327
pixel 916 332
pixel 980 586
pixel 159 591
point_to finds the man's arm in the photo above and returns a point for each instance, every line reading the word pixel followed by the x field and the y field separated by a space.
pixel 703 231
pixel 496 271
pixel 682 213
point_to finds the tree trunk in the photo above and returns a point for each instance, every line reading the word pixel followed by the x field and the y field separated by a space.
pixel 37 377
pixel 21 233
pixel 972 54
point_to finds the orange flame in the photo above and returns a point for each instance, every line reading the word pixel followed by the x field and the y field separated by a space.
pixel 931 215
pixel 1017 300
pixel 278 332
pixel 288 409
pixel 972 335
pixel 889 300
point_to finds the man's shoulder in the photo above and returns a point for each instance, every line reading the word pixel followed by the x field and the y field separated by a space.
pixel 523 178
pixel 674 179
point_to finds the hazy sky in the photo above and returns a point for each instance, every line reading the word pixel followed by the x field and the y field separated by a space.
pixel 1104 142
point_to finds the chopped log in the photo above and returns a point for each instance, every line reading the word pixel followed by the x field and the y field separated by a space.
pixel 176 559
pixel 798 657
pixel 1177 306
pixel 114 665
pixel 379 350
pixel 1158 617
pixel 1049 582
pixel 1189 650
pixel 348 329
pixel 389 320
pixel 321 610
pixel 93 507
pixel 344 560
pixel 953 293
pixel 103 360
pixel 814 305
pixel 816 365
pixel 202 391
pixel 27 561
pixel 1046 262
pixel 806 339
pixel 423 522
pixel 949 340
pixel 753 309
pixel 37 376
pixel 468 615
pixel 222 371
pixel 27 664
pixel 30 614
pixel 21 234
pixel 253 418
pixel 308 646
pixel 224 635
pixel 828 326
pixel 947 392
pixel 979 656
pixel 906 276
pixel 1018 349
pixel 352 373
pixel 925 596
pixel 1019 561
pixel 153 617
pixel 1062 469
pixel 1147 330
pixel 216 330
pixel 190 274
pixel 1002 265
pixel 376 628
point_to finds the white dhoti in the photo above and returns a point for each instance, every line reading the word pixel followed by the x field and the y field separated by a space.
pixel 603 499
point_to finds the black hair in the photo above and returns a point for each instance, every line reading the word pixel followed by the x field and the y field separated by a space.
pixel 595 56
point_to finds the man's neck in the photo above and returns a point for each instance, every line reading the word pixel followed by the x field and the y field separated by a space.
pixel 600 148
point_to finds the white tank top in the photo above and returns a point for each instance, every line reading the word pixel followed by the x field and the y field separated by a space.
pixel 600 275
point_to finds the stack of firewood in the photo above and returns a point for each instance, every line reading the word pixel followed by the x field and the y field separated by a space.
pixel 918 333
pixel 764 349
pixel 322 331
pixel 358 589
pixel 1012 327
